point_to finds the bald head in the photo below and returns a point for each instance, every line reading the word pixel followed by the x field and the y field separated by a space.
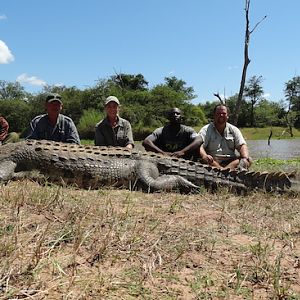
pixel 175 115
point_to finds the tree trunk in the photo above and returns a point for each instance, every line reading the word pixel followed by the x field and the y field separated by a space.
pixel 246 63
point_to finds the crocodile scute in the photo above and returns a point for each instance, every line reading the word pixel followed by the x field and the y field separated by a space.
pixel 93 167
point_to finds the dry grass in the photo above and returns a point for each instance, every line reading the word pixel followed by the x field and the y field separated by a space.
pixel 63 243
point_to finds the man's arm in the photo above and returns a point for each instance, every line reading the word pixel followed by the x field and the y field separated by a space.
pixel 130 142
pixel 207 158
pixel 73 136
pixel 32 130
pixel 189 148
pixel 244 155
pixel 244 152
pixel 150 140
pixel 149 145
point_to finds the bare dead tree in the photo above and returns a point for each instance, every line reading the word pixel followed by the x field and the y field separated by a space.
pixel 219 97
pixel 248 32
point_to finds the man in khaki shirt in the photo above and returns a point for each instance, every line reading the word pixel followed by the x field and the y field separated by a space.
pixel 221 141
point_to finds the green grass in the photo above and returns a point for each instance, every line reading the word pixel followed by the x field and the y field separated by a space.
pixel 274 165
pixel 263 133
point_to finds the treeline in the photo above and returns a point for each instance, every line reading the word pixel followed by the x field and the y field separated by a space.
pixel 145 107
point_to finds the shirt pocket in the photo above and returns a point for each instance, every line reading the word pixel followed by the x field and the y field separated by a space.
pixel 230 142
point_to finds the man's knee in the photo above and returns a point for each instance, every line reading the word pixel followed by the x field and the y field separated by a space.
pixel 12 137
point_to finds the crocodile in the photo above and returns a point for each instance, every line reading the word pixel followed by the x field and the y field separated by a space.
pixel 91 167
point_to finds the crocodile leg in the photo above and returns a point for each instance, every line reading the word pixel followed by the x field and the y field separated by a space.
pixel 148 175
pixel 7 169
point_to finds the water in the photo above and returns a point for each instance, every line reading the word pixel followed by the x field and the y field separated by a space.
pixel 278 149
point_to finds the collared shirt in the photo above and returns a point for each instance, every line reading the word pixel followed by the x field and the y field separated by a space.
pixel 169 140
pixel 215 144
pixel 121 135
pixel 64 130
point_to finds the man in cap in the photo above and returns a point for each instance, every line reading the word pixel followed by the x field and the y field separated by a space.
pixel 174 139
pixel 53 125
pixel 113 130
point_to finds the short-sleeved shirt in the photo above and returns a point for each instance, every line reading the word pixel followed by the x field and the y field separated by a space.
pixel 64 130
pixel 121 135
pixel 216 144
pixel 169 140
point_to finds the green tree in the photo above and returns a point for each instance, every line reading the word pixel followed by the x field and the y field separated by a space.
pixel 11 90
pixel 269 113
pixel 129 81
pixel 292 96
pixel 17 113
pixel 179 85
pixel 253 91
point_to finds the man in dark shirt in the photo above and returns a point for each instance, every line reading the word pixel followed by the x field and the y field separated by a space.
pixel 174 139
pixel 54 126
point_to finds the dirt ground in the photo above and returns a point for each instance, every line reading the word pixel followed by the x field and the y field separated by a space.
pixel 68 243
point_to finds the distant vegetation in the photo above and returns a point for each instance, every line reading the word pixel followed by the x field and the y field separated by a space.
pixel 145 107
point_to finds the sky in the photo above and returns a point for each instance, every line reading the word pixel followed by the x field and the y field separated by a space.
pixel 76 43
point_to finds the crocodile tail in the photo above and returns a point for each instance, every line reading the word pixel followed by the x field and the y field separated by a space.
pixel 268 181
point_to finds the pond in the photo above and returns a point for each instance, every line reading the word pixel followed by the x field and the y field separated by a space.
pixel 278 149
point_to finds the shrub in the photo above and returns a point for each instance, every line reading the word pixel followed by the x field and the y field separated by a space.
pixel 87 122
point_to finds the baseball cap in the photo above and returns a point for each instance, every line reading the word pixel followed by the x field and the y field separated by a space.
pixel 53 97
pixel 112 99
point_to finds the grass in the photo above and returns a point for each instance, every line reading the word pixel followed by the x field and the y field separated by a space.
pixel 65 243
pixel 263 133
pixel 271 164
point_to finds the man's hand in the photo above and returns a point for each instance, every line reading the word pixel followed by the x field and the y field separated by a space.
pixel 208 159
pixel 178 153
pixel 244 163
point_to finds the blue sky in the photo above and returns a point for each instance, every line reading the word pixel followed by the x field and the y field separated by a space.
pixel 75 43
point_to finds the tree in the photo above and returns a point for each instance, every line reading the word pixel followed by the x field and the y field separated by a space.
pixel 248 32
pixel 11 90
pixel 17 113
pixel 292 96
pixel 130 82
pixel 178 85
pixel 268 113
pixel 254 92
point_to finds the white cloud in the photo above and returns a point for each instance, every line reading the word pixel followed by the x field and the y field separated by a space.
pixel 232 67
pixel 33 80
pixel 58 84
pixel 5 54
pixel 267 95
pixel 3 17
